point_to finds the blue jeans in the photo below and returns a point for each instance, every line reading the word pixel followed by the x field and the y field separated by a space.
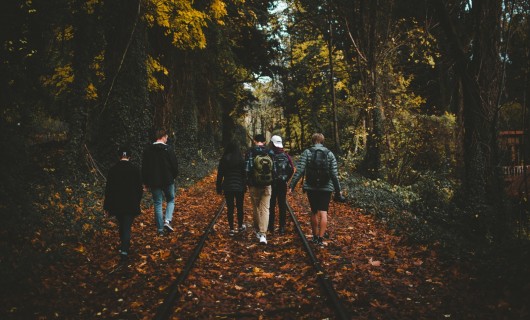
pixel 158 195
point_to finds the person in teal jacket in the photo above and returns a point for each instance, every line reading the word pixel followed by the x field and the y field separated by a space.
pixel 319 166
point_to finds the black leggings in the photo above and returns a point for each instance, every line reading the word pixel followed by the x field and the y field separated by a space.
pixel 237 197
pixel 124 226
pixel 279 194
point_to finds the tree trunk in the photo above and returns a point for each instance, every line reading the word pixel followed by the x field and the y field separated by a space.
pixel 371 164
pixel 480 79
pixel 84 51
pixel 124 119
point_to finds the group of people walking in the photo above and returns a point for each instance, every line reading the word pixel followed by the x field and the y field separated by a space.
pixel 270 175
pixel 126 184
pixel 266 170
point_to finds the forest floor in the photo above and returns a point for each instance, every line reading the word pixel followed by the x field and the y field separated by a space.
pixel 377 274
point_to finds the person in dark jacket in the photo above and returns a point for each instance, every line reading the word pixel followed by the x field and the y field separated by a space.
pixel 159 170
pixel 318 196
pixel 123 194
pixel 231 181
pixel 284 171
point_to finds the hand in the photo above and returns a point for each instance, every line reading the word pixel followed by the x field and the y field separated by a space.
pixel 339 197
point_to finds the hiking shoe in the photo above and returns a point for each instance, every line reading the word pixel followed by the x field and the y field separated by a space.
pixel 320 242
pixel 243 228
pixel 167 226
pixel 262 239
pixel 123 254
pixel 326 235
pixel 231 233
pixel 314 239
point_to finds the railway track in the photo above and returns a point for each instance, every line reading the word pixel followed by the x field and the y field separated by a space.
pixel 186 293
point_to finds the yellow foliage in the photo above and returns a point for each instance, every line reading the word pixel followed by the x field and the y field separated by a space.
pixel 218 11
pixel 59 81
pixel 90 5
pixel 154 67
pixel 182 22
pixel 91 93
pixel 97 66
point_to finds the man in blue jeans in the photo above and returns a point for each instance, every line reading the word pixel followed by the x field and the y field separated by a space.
pixel 159 169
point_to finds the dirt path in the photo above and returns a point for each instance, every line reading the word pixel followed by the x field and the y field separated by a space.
pixel 376 274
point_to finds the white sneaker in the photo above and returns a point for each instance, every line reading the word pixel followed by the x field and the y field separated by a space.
pixel 168 227
pixel 262 239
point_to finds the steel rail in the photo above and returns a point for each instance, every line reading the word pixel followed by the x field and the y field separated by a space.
pixel 322 277
pixel 166 308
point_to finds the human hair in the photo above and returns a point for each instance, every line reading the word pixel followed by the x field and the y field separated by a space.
pixel 317 138
pixel 259 138
pixel 232 153
pixel 160 133
pixel 124 152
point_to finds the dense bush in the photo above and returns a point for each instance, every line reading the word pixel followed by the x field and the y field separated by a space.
pixel 423 212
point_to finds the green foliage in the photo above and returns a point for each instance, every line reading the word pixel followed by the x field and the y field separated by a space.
pixel 423 212
pixel 418 143
pixel 511 117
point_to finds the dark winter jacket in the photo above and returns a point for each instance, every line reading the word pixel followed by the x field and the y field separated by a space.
pixel 159 166
pixel 231 174
pixel 333 184
pixel 123 191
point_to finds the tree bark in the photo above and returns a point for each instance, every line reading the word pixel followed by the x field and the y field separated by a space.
pixel 124 118
pixel 480 79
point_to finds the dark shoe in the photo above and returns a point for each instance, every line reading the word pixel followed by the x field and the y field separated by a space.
pixel 326 235
pixel 231 233
pixel 282 230
pixel 320 242
pixel 123 254
pixel 243 228
pixel 314 240
pixel 161 233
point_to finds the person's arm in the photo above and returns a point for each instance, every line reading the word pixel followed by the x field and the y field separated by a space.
pixel 139 185
pixel 145 169
pixel 335 178
pixel 300 169
pixel 220 175
pixel 292 166
pixel 173 163
pixel 334 171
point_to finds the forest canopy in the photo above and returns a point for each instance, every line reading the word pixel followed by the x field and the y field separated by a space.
pixel 406 92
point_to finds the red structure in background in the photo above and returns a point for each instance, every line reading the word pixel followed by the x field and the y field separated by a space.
pixel 513 164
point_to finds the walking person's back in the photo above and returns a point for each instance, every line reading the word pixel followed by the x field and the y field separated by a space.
pixel 231 182
pixel 159 170
pixel 259 167
pixel 284 169
pixel 123 194
pixel 319 166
